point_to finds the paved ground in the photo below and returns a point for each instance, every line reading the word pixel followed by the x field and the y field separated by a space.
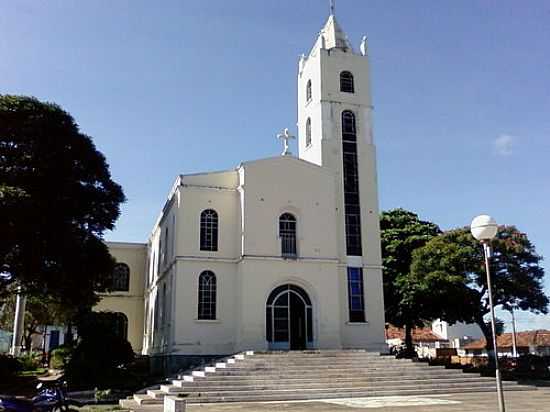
pixel 523 401
pixel 528 401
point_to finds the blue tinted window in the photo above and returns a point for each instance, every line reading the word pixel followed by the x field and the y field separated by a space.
pixel 356 299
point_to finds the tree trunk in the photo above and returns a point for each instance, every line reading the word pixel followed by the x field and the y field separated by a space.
pixel 409 340
pixel 489 347
pixel 27 342
pixel 69 337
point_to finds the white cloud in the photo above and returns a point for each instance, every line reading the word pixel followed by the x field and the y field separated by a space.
pixel 503 144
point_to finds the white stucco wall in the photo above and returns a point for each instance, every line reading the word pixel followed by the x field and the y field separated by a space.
pixel 248 263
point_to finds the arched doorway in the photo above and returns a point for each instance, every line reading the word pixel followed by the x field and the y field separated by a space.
pixel 289 319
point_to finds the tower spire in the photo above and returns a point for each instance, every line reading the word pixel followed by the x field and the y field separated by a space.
pixel 332 7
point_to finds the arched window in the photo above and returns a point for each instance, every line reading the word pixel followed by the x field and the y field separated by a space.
pixel 209 230
pixel 308 91
pixel 346 82
pixel 308 132
pixel 164 306
pixel 352 208
pixel 349 131
pixel 120 325
pixel 287 233
pixel 207 295
pixel 121 278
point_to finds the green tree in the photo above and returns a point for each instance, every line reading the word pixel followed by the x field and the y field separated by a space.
pixel 40 312
pixel 451 269
pixel 56 200
pixel 402 232
pixel 101 353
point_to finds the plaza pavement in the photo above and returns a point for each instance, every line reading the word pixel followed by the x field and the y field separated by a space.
pixel 525 401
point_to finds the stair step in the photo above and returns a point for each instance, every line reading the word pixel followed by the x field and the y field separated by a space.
pixel 347 389
pixel 282 376
pixel 311 385
pixel 277 373
pixel 260 397
pixel 220 380
pixel 324 363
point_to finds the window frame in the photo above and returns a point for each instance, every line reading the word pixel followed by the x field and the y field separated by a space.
pixel 288 236
pixel 350 175
pixel 347 82
pixel 308 132
pixel 125 281
pixel 356 315
pixel 207 296
pixel 121 326
pixel 209 230
pixel 309 93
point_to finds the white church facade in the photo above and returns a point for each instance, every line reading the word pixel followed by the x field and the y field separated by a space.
pixel 280 253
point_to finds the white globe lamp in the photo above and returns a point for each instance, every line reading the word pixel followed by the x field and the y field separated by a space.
pixel 484 228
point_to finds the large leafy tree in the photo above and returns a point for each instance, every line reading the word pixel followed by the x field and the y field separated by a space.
pixel 402 232
pixel 451 270
pixel 56 200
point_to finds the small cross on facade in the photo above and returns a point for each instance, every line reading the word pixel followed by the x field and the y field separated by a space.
pixel 285 136
pixel 332 6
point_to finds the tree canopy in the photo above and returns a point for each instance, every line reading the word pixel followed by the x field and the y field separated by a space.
pixel 402 232
pixel 450 268
pixel 56 200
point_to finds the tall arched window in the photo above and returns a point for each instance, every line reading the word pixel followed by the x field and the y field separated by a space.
pixel 121 278
pixel 352 208
pixel 207 296
pixel 287 233
pixel 209 230
pixel 346 82
pixel 308 91
pixel 308 132
pixel 120 325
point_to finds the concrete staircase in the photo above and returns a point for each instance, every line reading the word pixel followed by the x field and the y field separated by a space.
pixel 282 376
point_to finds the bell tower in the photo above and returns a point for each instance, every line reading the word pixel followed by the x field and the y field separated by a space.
pixel 335 132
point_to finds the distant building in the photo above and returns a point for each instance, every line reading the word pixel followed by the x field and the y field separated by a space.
pixel 422 337
pixel 5 341
pixel 457 334
pixel 534 342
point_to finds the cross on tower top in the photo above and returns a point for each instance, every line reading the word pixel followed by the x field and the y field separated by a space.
pixel 285 136
pixel 332 7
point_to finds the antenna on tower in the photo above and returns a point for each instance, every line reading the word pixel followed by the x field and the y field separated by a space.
pixel 332 7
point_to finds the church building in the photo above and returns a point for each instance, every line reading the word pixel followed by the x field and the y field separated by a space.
pixel 281 253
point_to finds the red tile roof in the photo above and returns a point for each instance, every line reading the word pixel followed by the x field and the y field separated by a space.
pixel 535 338
pixel 418 335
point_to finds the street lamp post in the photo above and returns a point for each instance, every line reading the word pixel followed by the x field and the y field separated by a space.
pixel 484 228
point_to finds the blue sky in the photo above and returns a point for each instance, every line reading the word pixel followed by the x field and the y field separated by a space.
pixel 461 93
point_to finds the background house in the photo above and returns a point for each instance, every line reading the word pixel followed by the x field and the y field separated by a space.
pixel 534 342
pixel 5 341
pixel 423 339
pixel 458 334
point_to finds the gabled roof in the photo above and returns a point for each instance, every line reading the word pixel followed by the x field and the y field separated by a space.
pixel 419 334
pixel 535 338
pixel 288 159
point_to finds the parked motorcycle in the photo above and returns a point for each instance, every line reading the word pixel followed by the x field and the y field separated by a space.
pixel 51 397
